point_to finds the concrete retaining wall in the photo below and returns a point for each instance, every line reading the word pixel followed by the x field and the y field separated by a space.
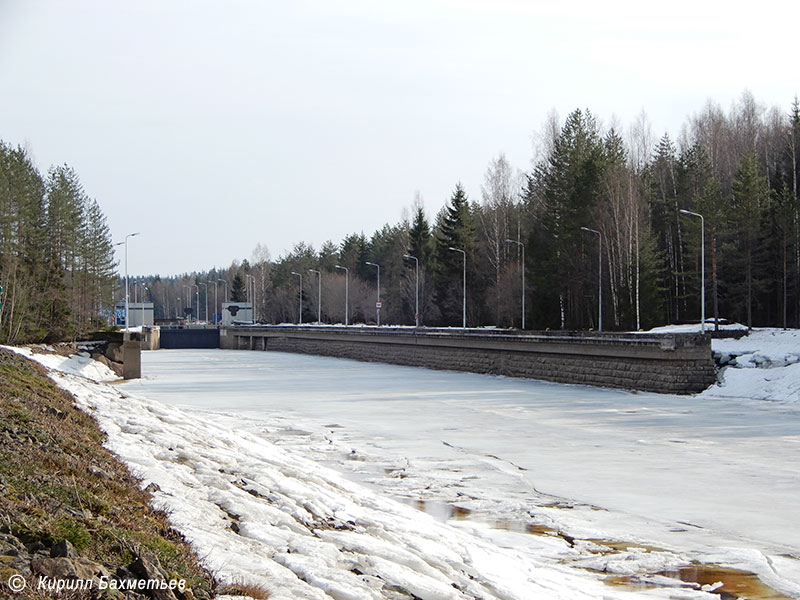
pixel 669 363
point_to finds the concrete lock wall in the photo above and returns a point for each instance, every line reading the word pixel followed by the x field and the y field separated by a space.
pixel 668 363
pixel 131 359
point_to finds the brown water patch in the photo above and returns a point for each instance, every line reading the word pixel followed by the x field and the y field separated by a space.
pixel 452 511
pixel 736 584
pixel 459 512
pixel 535 529
pixel 614 546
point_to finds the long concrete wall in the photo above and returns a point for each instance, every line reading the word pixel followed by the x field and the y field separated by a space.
pixel 669 363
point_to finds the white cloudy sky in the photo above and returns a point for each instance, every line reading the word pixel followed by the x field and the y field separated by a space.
pixel 211 126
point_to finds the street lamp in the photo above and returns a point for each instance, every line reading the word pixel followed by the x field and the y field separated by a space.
pixel 252 295
pixel 300 306
pixel 198 307
pixel 521 245
pixel 319 295
pixel 702 268
pixel 146 289
pixel 346 293
pixel 224 291
pixel 378 303
pixel 214 314
pixel 416 289
pixel 189 301
pixel 127 335
pixel 464 296
pixel 599 277
pixel 197 295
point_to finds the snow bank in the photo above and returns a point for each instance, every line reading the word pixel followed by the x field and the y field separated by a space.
pixel 762 365
pixel 260 514
pixel 77 364
pixel 695 328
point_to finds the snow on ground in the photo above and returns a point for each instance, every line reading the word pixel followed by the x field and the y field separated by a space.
pixel 77 364
pixel 714 481
pixel 712 478
pixel 694 328
pixel 773 353
pixel 265 515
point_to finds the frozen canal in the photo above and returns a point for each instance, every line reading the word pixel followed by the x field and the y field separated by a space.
pixel 710 479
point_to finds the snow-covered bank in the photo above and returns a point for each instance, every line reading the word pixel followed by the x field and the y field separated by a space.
pixel 77 364
pixel 265 515
pixel 763 365
pixel 684 479
pixel 688 476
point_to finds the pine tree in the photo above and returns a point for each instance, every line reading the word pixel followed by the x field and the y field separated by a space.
pixel 701 191
pixel 420 239
pixel 22 254
pixel 662 191
pixel 98 252
pixel 421 246
pixel 570 183
pixel 751 199
pixel 238 292
pixel 455 229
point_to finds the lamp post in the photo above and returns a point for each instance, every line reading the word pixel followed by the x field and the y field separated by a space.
pixel 599 277
pixel 702 268
pixel 464 296
pixel 198 307
pixel 378 302
pixel 146 289
pixel 214 314
pixel 346 293
pixel 416 288
pixel 319 295
pixel 114 291
pixel 300 305
pixel 521 245
pixel 189 301
pixel 252 295
pixel 127 335
pixel 224 291
pixel 197 296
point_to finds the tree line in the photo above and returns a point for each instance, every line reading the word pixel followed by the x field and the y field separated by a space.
pixel 57 264
pixel 738 169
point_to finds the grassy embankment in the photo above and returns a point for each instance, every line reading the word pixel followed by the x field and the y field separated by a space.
pixel 57 483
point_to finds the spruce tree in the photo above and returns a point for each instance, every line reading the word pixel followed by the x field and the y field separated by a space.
pixel 421 246
pixel 238 292
pixel 570 183
pixel 750 204
pixel 455 229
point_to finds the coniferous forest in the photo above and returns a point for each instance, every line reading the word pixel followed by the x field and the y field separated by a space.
pixel 738 169
pixel 57 264
pixel 601 206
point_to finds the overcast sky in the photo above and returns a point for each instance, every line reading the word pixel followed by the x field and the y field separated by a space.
pixel 211 127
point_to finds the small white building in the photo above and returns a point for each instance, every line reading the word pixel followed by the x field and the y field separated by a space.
pixel 237 312
pixel 139 313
